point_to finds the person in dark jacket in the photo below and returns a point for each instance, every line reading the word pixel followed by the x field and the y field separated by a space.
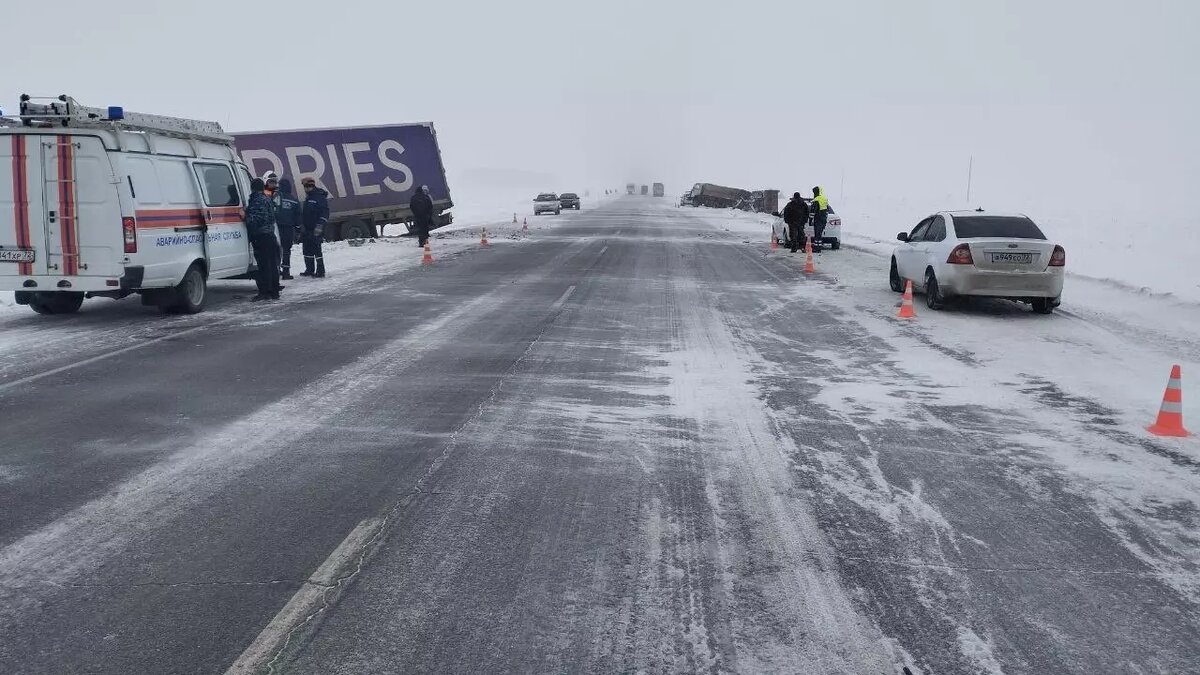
pixel 314 218
pixel 421 206
pixel 260 225
pixel 287 219
pixel 820 211
pixel 795 216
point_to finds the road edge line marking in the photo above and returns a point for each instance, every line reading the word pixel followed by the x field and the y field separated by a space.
pixel 309 600
pixel 562 299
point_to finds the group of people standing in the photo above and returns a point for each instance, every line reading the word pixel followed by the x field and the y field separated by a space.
pixel 797 212
pixel 275 219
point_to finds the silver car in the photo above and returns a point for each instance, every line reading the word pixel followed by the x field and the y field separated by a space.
pixel 976 253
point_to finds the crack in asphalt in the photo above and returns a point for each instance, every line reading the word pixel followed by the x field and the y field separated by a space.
pixel 168 584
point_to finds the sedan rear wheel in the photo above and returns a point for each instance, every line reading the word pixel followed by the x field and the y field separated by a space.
pixel 1043 305
pixel 894 279
pixel 933 292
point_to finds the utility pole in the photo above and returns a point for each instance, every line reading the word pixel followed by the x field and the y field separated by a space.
pixel 970 170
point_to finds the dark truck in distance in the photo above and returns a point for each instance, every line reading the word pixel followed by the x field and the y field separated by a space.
pixel 659 190
pixel 370 172
pixel 718 196
pixel 569 200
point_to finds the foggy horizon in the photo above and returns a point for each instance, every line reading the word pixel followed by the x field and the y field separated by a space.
pixel 1048 99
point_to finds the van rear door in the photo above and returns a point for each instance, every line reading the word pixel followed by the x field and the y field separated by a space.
pixel 22 235
pixel 82 212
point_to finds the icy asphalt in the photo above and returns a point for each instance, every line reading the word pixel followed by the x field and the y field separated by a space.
pixel 631 443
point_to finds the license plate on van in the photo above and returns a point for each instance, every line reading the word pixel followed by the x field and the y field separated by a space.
pixel 17 255
pixel 1013 258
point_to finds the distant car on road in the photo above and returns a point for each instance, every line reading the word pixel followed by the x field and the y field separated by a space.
pixel 547 202
pixel 832 234
pixel 981 254
pixel 569 200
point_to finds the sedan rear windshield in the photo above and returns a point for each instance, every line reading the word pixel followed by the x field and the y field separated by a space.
pixel 569 195
pixel 546 198
pixel 1005 227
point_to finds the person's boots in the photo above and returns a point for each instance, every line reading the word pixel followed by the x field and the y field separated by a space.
pixel 320 268
pixel 308 266
pixel 285 274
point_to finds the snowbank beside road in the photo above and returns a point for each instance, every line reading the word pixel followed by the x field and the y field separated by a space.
pixel 1139 256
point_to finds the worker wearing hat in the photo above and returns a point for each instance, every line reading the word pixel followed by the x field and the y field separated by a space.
pixel 315 217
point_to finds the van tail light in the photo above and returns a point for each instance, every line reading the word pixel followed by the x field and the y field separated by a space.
pixel 1059 257
pixel 961 255
pixel 129 231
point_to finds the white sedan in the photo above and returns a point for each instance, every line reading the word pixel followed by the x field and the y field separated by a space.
pixel 832 234
pixel 975 253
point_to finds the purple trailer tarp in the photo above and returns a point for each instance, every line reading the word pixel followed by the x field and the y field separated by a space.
pixel 364 169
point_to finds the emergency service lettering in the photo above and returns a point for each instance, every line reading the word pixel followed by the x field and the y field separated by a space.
pixel 196 238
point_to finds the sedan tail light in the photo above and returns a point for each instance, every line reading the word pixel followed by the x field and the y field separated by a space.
pixel 961 255
pixel 1059 257
pixel 129 232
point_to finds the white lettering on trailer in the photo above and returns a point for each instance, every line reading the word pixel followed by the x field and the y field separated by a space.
pixel 396 165
pixel 293 155
pixel 355 169
pixel 250 156
pixel 337 169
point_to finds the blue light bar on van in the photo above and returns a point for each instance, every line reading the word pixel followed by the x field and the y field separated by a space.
pixel 116 112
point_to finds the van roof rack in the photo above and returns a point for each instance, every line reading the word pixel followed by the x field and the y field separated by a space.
pixel 46 112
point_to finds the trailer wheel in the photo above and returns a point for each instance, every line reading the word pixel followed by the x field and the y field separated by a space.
pixel 191 293
pixel 356 229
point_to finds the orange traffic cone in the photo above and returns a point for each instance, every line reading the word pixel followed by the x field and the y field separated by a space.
pixel 906 305
pixel 525 227
pixel 1170 415
pixel 810 266
pixel 774 243
pixel 427 259
pixel 483 238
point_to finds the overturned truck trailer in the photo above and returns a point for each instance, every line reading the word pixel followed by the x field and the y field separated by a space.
pixel 719 196
pixel 369 172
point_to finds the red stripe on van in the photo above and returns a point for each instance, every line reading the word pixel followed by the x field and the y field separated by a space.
pixel 68 219
pixel 170 218
pixel 21 199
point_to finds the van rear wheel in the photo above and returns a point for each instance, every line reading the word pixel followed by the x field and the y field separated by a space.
pixel 191 294
pixel 56 303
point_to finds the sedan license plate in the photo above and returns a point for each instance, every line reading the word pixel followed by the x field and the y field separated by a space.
pixel 17 255
pixel 1013 258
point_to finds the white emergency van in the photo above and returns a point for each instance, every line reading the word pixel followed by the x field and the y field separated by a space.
pixel 103 203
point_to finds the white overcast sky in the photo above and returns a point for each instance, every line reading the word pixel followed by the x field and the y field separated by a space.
pixel 1086 101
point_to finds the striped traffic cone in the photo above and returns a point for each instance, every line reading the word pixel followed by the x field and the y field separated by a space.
pixel 525 226
pixel 1170 415
pixel 906 304
pixel 427 259
pixel 810 266
pixel 483 238
pixel 774 243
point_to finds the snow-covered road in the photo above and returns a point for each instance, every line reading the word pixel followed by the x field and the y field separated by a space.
pixel 634 440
